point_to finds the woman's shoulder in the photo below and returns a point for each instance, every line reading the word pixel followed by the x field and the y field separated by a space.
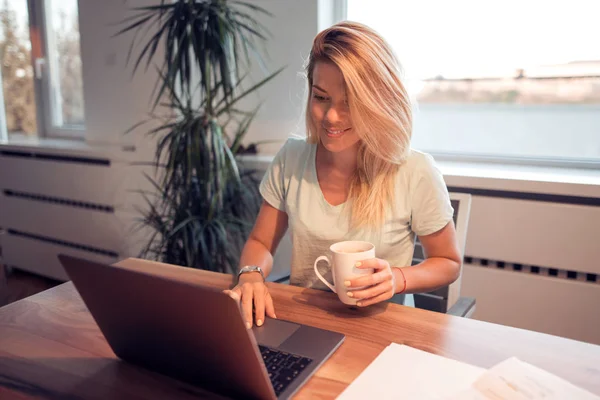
pixel 418 167
pixel 295 148
pixel 297 143
pixel 418 162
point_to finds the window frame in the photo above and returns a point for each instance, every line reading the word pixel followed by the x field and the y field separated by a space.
pixel 3 129
pixel 42 67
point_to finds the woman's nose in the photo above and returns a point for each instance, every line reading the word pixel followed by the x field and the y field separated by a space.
pixel 334 115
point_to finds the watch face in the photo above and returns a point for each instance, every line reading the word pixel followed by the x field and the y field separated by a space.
pixel 251 268
pixel 246 269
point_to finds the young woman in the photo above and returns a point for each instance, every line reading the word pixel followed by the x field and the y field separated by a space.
pixel 355 177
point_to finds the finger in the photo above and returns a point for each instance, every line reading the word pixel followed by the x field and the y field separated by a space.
pixel 369 280
pixel 237 290
pixel 233 294
pixel 373 291
pixel 374 263
pixel 373 300
pixel 259 306
pixel 269 307
pixel 247 297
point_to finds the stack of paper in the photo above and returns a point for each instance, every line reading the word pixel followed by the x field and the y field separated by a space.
pixel 514 379
pixel 404 372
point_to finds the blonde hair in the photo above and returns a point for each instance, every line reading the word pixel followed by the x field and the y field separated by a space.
pixel 380 110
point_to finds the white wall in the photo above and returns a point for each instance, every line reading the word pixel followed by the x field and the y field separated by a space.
pixel 115 100
pixel 293 28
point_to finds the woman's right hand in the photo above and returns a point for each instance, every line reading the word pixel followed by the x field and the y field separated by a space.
pixel 252 291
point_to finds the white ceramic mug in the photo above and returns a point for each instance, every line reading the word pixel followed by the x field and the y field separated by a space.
pixel 345 255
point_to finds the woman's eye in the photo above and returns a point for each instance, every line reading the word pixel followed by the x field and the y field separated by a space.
pixel 319 98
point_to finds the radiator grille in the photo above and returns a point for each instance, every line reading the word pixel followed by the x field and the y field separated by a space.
pixel 63 243
pixel 61 201
pixel 534 269
pixel 56 157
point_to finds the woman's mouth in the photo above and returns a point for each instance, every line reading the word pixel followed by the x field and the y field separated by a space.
pixel 336 132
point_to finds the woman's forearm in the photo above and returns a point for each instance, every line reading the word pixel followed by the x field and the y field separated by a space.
pixel 431 274
pixel 256 253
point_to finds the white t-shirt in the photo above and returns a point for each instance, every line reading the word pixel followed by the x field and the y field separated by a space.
pixel 421 206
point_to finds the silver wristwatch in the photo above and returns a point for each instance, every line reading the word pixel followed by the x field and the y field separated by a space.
pixel 250 268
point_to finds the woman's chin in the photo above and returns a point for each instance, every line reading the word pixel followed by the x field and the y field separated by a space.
pixel 331 144
pixel 336 145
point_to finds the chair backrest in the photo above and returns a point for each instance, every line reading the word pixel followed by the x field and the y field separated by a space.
pixel 442 299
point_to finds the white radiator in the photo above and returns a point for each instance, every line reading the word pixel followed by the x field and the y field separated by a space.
pixel 557 305
pixel 534 263
pixel 52 203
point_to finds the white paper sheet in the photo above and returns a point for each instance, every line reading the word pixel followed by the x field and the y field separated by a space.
pixel 402 372
pixel 514 379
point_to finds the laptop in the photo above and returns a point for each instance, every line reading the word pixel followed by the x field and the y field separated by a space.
pixel 153 316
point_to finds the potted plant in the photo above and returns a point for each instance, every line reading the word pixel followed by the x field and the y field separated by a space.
pixel 205 202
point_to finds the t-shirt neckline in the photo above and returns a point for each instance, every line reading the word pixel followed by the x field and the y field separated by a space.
pixel 316 178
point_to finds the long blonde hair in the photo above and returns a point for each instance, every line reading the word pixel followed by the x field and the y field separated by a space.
pixel 380 110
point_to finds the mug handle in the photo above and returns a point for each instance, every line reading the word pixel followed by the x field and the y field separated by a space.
pixel 323 258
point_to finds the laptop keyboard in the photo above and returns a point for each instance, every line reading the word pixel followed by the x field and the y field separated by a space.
pixel 283 367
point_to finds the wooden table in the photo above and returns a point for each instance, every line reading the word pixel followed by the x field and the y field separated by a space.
pixel 51 347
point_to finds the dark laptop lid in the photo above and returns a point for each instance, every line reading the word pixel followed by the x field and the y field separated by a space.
pixel 172 327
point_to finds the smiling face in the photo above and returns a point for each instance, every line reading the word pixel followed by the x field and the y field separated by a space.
pixel 329 109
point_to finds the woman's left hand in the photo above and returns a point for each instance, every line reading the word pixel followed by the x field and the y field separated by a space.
pixel 380 286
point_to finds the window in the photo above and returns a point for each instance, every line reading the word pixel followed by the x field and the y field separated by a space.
pixel 507 80
pixel 42 90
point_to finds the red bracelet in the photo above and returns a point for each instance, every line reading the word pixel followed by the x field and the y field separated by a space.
pixel 403 277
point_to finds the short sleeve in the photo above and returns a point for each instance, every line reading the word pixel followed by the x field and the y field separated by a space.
pixel 272 186
pixel 431 207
